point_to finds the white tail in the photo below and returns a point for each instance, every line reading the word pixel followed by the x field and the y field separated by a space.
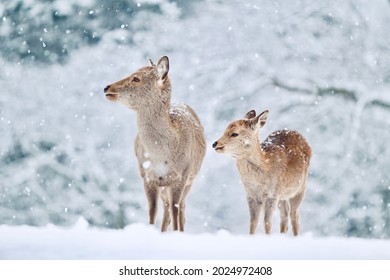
pixel 274 172
pixel 170 145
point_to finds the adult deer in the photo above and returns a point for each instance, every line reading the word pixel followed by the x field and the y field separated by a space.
pixel 170 145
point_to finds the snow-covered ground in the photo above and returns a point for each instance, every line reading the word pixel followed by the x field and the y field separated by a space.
pixel 139 241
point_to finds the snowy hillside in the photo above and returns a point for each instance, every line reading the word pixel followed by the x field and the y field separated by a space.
pixel 320 67
pixel 142 242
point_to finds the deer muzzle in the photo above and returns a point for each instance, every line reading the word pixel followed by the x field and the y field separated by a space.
pixel 218 147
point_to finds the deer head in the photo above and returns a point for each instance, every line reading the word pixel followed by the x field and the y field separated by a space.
pixel 241 136
pixel 148 87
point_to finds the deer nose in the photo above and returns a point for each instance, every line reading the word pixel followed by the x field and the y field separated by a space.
pixel 106 88
pixel 215 144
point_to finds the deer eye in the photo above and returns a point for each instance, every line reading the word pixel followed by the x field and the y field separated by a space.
pixel 135 79
pixel 234 134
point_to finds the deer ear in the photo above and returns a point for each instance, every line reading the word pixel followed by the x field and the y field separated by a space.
pixel 163 67
pixel 251 114
pixel 151 62
pixel 259 121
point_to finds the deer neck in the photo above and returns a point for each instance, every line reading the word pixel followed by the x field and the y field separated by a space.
pixel 256 157
pixel 155 128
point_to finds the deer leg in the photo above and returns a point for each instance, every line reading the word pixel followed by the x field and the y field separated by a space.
pixel 294 214
pixel 176 192
pixel 254 212
pixel 152 192
pixel 270 205
pixel 166 220
pixel 284 209
pixel 182 218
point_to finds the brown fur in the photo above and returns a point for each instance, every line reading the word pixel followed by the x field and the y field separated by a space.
pixel 274 172
pixel 170 145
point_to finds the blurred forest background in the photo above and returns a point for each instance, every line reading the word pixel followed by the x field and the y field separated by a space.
pixel 320 67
